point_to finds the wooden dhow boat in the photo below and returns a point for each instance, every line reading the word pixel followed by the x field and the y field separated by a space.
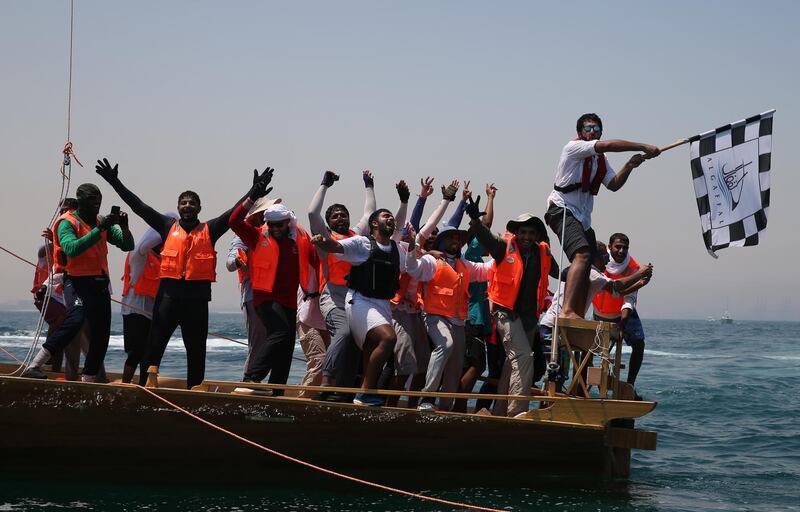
pixel 73 428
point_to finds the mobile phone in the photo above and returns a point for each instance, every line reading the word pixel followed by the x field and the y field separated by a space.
pixel 115 210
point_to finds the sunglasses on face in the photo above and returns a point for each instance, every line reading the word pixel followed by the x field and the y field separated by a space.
pixel 605 257
pixel 590 127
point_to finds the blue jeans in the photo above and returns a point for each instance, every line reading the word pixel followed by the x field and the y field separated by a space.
pixel 632 330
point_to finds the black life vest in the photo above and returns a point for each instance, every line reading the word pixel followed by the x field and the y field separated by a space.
pixel 379 276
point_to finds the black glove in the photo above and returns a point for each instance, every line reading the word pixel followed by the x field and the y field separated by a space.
pixel 473 208
pixel 449 193
pixel 267 174
pixel 403 191
pixel 369 181
pixel 259 190
pixel 104 169
pixel 108 221
pixel 260 184
pixel 329 178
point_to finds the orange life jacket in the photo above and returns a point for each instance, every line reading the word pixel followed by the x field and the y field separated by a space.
pixel 447 294
pixel 506 277
pixel 149 279
pixel 190 256
pixel 242 256
pixel 333 269
pixel 91 262
pixel 39 277
pixel 605 304
pixel 401 295
pixel 264 260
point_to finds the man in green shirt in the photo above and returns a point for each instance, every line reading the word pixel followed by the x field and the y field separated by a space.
pixel 81 248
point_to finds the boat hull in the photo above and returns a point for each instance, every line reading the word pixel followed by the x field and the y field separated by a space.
pixel 68 427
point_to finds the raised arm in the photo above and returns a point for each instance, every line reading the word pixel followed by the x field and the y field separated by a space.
pixel 249 234
pixel 155 220
pixel 362 227
pixel 494 244
pixel 458 214
pixel 426 189
pixel 315 221
pixel 448 195
pixel 402 212
pixel 219 225
pixel 488 219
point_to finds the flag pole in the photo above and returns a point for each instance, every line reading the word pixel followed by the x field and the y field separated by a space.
pixel 679 142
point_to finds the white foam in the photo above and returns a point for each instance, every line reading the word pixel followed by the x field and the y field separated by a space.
pixel 783 358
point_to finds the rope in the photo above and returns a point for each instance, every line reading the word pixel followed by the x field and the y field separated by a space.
pixel 69 88
pixel 313 466
pixel 10 354
pixel 139 310
pixel 558 298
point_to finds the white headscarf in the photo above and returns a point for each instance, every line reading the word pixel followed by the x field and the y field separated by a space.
pixel 279 212
pixel 615 268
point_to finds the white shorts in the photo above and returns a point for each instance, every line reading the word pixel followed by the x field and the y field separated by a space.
pixel 365 313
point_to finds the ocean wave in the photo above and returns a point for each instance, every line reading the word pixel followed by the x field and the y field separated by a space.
pixel 783 358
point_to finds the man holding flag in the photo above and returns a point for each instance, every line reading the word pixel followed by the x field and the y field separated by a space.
pixel 582 168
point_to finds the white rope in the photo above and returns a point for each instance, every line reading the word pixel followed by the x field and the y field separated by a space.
pixel 66 175
pixel 554 342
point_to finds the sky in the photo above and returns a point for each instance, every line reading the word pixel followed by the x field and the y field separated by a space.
pixel 196 94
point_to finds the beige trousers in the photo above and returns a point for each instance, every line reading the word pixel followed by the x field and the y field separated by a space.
pixel 517 375
pixel 314 344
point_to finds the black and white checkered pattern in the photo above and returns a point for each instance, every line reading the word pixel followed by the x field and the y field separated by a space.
pixel 722 226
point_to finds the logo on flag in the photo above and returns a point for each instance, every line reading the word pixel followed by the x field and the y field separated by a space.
pixel 730 170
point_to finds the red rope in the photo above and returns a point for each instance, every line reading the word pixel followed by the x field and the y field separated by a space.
pixel 12 355
pixel 313 466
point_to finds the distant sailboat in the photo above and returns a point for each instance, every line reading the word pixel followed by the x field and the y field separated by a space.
pixel 726 318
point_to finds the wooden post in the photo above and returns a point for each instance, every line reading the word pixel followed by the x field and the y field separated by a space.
pixel 152 377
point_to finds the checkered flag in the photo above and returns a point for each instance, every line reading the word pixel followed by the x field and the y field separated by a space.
pixel 730 171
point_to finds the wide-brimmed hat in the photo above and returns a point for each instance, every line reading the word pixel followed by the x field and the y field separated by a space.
pixel 463 237
pixel 262 204
pixel 527 219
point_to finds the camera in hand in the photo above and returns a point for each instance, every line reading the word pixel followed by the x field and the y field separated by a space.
pixel 115 211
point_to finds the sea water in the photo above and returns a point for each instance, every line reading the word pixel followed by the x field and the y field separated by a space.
pixel 727 423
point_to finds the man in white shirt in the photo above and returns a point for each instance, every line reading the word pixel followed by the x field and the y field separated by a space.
pixel 374 278
pixel 582 168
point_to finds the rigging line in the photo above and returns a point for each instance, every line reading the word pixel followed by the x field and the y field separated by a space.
pixel 10 354
pixel 69 88
pixel 313 466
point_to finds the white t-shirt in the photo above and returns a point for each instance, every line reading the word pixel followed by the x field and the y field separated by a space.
pixel 597 281
pixel 356 250
pixel 570 170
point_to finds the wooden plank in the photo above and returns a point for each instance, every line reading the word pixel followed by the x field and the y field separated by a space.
pixel 591 412
pixel 631 438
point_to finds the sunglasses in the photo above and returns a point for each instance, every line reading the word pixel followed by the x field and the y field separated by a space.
pixel 605 257
pixel 596 127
